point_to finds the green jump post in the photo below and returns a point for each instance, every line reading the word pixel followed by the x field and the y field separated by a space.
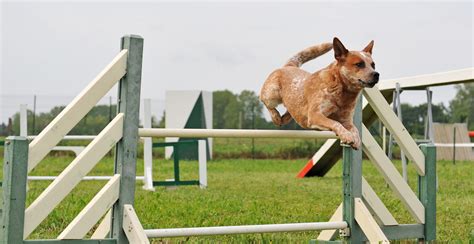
pixel 427 192
pixel 15 171
pixel 352 182
pixel 126 150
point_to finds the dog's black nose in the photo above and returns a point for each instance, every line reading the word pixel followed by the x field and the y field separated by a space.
pixel 376 76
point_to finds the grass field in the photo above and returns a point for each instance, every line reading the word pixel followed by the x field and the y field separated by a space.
pixel 261 191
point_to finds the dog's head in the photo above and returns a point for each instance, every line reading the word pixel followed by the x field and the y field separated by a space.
pixel 356 67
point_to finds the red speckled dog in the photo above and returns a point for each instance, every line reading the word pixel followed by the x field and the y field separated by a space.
pixel 324 100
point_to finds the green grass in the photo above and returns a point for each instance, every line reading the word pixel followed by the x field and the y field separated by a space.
pixel 257 192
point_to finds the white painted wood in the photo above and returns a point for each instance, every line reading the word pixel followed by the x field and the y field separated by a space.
pixel 93 211
pixel 23 120
pixel 92 177
pixel 244 229
pixel 202 154
pixel 132 227
pixel 429 80
pixel 147 148
pixel 72 137
pixel 392 176
pixel 452 145
pixel 72 175
pixel 104 227
pixel 207 99
pixel 323 149
pixel 396 128
pixel 378 209
pixel 76 110
pixel 178 107
pixel 328 235
pixel 75 149
pixel 234 133
pixel 368 224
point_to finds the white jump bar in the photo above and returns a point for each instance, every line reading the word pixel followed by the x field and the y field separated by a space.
pixel 454 145
pixel 71 137
pixel 231 133
pixel 244 229
pixel 85 178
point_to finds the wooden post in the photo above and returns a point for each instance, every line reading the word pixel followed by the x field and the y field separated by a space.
pixel 427 191
pixel 126 150
pixel 352 182
pixel 15 170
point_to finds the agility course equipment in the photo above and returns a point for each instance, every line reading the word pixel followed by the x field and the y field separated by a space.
pixel 361 216
pixel 329 153
pixel 75 149
pixel 188 109
pixel 148 145
pixel 202 160
pixel 453 142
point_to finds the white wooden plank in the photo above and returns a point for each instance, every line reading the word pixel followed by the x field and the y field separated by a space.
pixel 368 224
pixel 234 133
pixel 392 176
pixel 429 80
pixel 396 128
pixel 147 148
pixel 76 110
pixel 324 148
pixel 202 156
pixel 73 174
pixel 93 211
pixel 104 227
pixel 378 209
pixel 328 235
pixel 132 227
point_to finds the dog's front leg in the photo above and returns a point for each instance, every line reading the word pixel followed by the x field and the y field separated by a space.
pixel 321 122
pixel 355 133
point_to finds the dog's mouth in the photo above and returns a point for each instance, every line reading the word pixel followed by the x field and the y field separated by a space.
pixel 369 84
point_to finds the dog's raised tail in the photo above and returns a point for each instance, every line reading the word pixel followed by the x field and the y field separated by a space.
pixel 309 54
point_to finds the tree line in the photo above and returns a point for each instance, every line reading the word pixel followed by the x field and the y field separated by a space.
pixel 244 111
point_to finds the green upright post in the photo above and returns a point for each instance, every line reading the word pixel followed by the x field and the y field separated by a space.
pixel 352 180
pixel 427 191
pixel 15 171
pixel 126 150
pixel 176 162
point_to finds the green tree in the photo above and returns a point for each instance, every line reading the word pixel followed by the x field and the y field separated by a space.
pixel 91 124
pixel 462 106
pixel 224 107
pixel 251 108
pixel 414 117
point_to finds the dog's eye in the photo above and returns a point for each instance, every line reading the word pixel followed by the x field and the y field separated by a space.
pixel 360 65
pixel 373 65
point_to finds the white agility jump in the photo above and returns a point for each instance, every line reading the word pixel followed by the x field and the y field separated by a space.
pixel 362 216
pixel 244 229
pixel 236 133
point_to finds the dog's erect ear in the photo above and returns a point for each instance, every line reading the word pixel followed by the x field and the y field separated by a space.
pixel 369 47
pixel 340 52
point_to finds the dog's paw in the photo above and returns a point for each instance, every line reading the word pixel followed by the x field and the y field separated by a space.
pixel 356 145
pixel 347 138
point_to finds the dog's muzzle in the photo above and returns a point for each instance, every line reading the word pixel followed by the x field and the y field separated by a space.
pixel 373 82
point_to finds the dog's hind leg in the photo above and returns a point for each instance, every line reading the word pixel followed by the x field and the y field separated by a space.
pixel 286 118
pixel 276 118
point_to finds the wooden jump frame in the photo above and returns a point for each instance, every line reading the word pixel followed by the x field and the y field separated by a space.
pixel 360 217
